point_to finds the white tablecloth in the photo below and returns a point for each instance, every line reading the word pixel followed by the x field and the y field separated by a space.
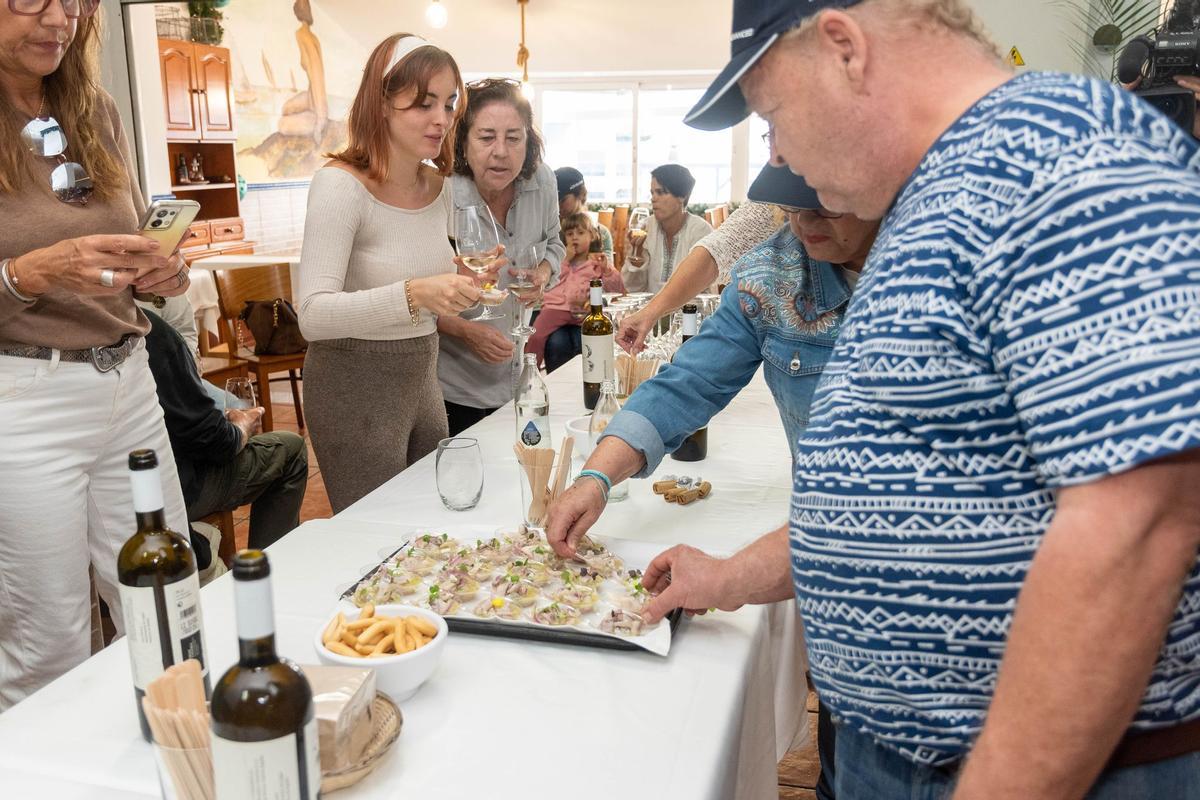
pixel 709 721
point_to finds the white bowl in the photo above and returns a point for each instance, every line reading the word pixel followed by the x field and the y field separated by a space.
pixel 398 676
pixel 578 428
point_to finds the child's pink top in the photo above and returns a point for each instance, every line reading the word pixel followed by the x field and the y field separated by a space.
pixel 573 283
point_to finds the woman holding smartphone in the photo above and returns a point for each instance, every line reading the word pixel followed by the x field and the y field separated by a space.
pixel 377 271
pixel 76 393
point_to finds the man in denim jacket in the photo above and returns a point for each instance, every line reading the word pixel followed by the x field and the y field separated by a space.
pixel 784 309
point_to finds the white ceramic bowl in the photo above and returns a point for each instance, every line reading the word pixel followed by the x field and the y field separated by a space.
pixel 578 428
pixel 398 676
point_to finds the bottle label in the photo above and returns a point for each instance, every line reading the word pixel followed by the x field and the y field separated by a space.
pixel 536 432
pixel 163 627
pixel 598 358
pixel 689 325
pixel 277 769
pixel 597 295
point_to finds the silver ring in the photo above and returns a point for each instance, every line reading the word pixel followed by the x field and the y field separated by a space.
pixel 181 276
pixel 107 276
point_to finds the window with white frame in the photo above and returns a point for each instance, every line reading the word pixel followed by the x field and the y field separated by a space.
pixel 593 127
pixel 592 131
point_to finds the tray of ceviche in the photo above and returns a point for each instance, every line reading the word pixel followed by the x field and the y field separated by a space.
pixel 515 586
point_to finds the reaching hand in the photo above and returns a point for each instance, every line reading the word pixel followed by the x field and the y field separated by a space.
pixel 684 577
pixel 634 329
pixel 572 514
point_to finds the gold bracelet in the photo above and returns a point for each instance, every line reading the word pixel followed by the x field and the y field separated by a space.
pixel 413 311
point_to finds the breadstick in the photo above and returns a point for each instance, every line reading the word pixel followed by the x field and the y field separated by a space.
pixel 342 650
pixel 331 630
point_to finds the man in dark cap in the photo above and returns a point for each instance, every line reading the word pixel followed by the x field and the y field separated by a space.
pixel 572 197
pixel 995 525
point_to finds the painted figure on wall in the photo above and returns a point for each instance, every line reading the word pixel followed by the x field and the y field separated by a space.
pixel 307 113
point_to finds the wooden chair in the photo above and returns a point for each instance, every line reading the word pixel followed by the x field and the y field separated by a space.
pixel 620 223
pixel 234 288
pixel 218 369
pixel 710 217
pixel 223 521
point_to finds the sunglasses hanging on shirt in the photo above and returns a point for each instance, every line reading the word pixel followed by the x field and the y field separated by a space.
pixel 45 138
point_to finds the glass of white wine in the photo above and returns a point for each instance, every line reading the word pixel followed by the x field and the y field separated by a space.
pixel 477 242
pixel 525 288
pixel 239 393
pixel 639 222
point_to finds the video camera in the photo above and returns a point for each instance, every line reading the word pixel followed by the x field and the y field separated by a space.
pixel 1156 59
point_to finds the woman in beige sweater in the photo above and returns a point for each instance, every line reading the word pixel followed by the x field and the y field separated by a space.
pixel 376 270
pixel 76 394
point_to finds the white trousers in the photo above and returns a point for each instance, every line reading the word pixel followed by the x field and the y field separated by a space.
pixel 65 435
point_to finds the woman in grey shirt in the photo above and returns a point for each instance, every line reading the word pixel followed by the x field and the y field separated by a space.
pixel 498 164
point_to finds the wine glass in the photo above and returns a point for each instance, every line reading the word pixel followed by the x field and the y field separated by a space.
pixel 639 222
pixel 239 393
pixel 524 287
pixel 459 472
pixel 476 240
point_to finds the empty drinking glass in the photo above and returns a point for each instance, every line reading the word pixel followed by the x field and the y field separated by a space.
pixel 459 470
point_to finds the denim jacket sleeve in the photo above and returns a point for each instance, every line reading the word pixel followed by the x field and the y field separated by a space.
pixel 702 379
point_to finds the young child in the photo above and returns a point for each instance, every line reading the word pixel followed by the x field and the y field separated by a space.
pixel 565 305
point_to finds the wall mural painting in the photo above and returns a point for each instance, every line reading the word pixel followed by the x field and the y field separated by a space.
pixel 286 121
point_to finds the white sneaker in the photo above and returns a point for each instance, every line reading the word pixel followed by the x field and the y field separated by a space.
pixel 216 566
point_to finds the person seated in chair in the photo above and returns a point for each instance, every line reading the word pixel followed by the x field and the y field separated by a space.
pixel 223 460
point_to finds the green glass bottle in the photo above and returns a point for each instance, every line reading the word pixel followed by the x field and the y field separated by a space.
pixel 159 588
pixel 263 724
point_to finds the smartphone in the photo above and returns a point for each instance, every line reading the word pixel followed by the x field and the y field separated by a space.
pixel 167 221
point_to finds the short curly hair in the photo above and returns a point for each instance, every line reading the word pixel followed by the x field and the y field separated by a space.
pixel 955 16
pixel 481 94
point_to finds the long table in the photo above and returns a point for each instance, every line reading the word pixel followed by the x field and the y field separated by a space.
pixel 500 718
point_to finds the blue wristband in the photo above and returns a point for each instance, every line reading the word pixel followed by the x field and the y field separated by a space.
pixel 598 475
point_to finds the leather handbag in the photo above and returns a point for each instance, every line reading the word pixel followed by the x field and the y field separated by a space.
pixel 274 326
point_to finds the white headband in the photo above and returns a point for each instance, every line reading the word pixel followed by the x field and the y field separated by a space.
pixel 403 47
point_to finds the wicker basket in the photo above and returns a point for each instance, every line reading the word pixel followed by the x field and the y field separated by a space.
pixel 386 722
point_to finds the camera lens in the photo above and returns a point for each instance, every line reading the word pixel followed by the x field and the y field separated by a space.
pixel 162 213
pixel 156 224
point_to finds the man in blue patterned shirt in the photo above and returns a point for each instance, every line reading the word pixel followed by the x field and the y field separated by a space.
pixel 995 523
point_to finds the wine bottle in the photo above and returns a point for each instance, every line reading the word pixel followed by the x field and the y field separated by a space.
pixel 159 588
pixel 532 406
pixel 694 447
pixel 264 742
pixel 597 335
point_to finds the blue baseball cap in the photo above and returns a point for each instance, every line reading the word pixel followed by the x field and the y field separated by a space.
pixel 781 187
pixel 757 24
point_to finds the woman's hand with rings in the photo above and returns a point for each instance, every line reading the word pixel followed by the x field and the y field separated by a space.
pixel 170 281
pixel 89 265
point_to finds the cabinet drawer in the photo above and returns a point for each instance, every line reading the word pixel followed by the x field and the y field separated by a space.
pixel 198 233
pixel 227 230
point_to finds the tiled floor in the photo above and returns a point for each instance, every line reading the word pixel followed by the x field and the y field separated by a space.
pixel 316 502
pixel 797 771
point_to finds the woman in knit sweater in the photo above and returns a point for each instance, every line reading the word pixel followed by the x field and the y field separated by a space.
pixel 377 269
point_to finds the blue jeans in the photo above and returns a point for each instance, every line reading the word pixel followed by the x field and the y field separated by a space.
pixel 866 771
pixel 563 345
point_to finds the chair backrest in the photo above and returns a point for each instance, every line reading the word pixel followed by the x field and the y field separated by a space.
pixel 236 286
pixel 620 223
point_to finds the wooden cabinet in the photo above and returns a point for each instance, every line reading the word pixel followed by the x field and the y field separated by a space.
pixel 176 60
pixel 197 91
pixel 214 74
pixel 198 96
